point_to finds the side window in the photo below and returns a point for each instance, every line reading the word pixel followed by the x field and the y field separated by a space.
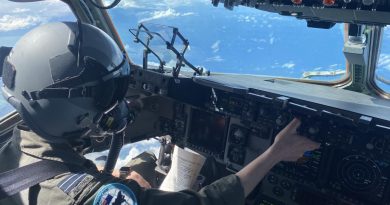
pixel 128 152
pixel 382 73
pixel 18 18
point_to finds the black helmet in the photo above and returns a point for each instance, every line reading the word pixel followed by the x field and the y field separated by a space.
pixel 62 77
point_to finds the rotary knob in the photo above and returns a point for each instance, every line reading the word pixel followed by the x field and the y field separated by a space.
pixel 368 2
pixel 236 155
pixel 281 120
pixel 238 136
pixel 314 130
pixel 263 112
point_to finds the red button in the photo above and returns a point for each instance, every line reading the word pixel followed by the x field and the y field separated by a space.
pixel 297 1
pixel 328 2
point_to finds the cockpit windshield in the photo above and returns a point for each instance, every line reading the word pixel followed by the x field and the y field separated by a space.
pixel 382 73
pixel 243 41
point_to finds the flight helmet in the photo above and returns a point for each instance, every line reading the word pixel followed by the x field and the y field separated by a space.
pixel 64 78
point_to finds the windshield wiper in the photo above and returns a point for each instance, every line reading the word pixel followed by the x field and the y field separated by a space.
pixel 169 42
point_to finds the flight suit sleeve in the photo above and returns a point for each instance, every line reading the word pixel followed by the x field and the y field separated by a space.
pixel 225 191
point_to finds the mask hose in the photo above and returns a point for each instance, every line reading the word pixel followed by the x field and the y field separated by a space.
pixel 115 148
pixel 118 119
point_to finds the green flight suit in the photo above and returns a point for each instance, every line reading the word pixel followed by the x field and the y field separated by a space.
pixel 145 163
pixel 86 184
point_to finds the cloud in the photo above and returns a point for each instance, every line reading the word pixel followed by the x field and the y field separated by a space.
pixel 288 65
pixel 135 149
pixel 20 10
pixel 161 14
pixel 215 46
pixel 16 16
pixel 9 23
pixel 247 19
pixel 260 69
pixel 127 4
pixel 127 46
pixel 259 40
pixel 275 65
pixel 277 18
pixel 162 4
pixel 333 66
pixel 261 19
pixel 384 61
pixel 152 63
pixel 216 58
pixel 128 152
pixel 271 40
pixel 165 14
pixel 188 14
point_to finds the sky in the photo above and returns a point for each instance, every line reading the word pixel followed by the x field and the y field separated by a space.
pixel 244 41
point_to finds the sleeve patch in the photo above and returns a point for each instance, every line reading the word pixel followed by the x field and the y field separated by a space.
pixel 115 194
pixel 71 182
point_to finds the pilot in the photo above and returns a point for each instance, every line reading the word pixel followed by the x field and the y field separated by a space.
pixel 61 77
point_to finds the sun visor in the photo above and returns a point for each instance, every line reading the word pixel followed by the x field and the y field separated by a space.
pixel 9 73
pixel 63 65
pixel 4 51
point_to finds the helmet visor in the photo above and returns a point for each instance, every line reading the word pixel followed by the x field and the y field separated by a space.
pixel 107 86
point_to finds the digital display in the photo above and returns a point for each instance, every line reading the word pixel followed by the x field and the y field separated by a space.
pixel 208 130
pixel 305 197
pixel 265 200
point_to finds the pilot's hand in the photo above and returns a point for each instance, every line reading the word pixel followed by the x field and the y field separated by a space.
pixel 139 179
pixel 289 145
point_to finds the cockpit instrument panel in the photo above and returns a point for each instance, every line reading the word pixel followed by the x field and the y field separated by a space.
pixel 207 132
pixel 234 120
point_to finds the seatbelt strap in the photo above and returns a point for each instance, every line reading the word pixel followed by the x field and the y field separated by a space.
pixel 16 180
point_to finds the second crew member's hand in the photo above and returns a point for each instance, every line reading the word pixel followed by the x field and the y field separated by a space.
pixel 139 179
pixel 289 145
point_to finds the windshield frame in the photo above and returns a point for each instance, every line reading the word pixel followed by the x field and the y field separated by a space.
pixel 375 47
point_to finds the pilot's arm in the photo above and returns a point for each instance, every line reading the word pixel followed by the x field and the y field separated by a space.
pixel 288 146
pixel 230 190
